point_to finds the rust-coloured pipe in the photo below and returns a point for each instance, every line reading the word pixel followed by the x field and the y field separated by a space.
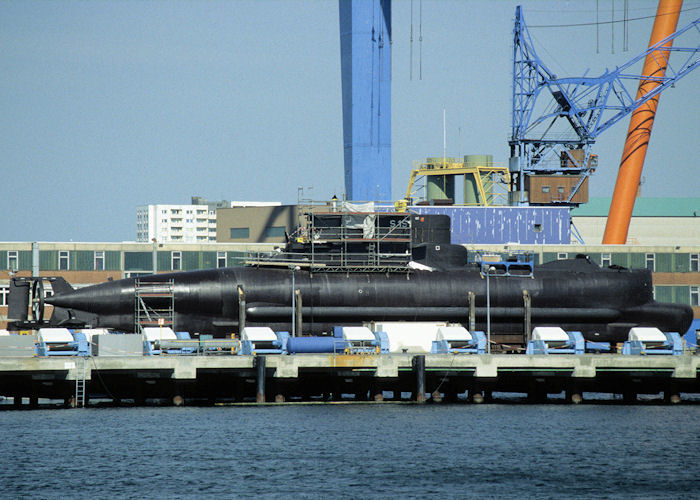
pixel 640 127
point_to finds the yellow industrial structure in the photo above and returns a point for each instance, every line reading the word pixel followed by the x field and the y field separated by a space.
pixel 484 183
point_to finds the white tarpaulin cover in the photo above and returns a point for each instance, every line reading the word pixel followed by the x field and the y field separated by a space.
pixel 153 333
pixel 647 334
pixel 258 334
pixel 55 335
pixel 359 216
pixel 453 333
pixel 357 333
pixel 409 336
pixel 549 334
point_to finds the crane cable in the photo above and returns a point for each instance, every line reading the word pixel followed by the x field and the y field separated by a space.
pixel 626 29
pixel 597 28
pixel 410 71
pixel 612 28
pixel 420 40
pixel 575 25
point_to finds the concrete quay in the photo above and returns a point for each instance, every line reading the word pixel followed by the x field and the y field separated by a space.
pixel 329 377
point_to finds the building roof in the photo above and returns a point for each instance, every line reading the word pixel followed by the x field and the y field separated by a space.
pixel 643 207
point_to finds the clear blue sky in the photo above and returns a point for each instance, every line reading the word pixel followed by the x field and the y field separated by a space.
pixel 109 105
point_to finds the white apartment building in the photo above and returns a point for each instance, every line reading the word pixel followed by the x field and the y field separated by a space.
pixel 176 223
pixel 195 223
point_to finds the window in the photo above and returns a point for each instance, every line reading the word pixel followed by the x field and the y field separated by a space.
pixel 545 189
pixel 4 293
pixel 605 260
pixel 537 228
pixel 562 256
pixel 274 231
pixel 176 261
pixel 695 295
pixel 220 259
pixel 99 260
pixel 12 260
pixel 649 261
pixel 694 262
pixel 63 260
pixel 239 233
pixel 560 189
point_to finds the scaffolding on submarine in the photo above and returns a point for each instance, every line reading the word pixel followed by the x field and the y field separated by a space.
pixel 333 239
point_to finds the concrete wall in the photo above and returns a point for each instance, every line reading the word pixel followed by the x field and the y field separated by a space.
pixel 256 224
pixel 680 231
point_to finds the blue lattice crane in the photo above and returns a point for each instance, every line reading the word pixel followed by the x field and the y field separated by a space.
pixel 557 120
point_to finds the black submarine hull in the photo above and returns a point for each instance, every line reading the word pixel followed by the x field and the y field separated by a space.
pixel 574 294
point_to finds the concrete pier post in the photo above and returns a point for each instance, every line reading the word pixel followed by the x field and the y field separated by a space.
pixel 472 311
pixel 419 368
pixel 241 309
pixel 573 395
pixel 35 259
pixel 260 371
pixel 672 396
pixel 375 391
pixel 527 320
pixel 279 390
pixel 476 397
pixel 298 312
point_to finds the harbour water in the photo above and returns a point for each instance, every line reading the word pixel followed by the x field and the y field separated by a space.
pixel 353 451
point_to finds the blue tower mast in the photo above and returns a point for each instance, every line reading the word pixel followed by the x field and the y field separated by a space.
pixel 365 58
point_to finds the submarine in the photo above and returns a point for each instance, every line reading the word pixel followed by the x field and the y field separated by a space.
pixel 426 279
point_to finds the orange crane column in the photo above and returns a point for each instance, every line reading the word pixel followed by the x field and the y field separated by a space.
pixel 641 123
